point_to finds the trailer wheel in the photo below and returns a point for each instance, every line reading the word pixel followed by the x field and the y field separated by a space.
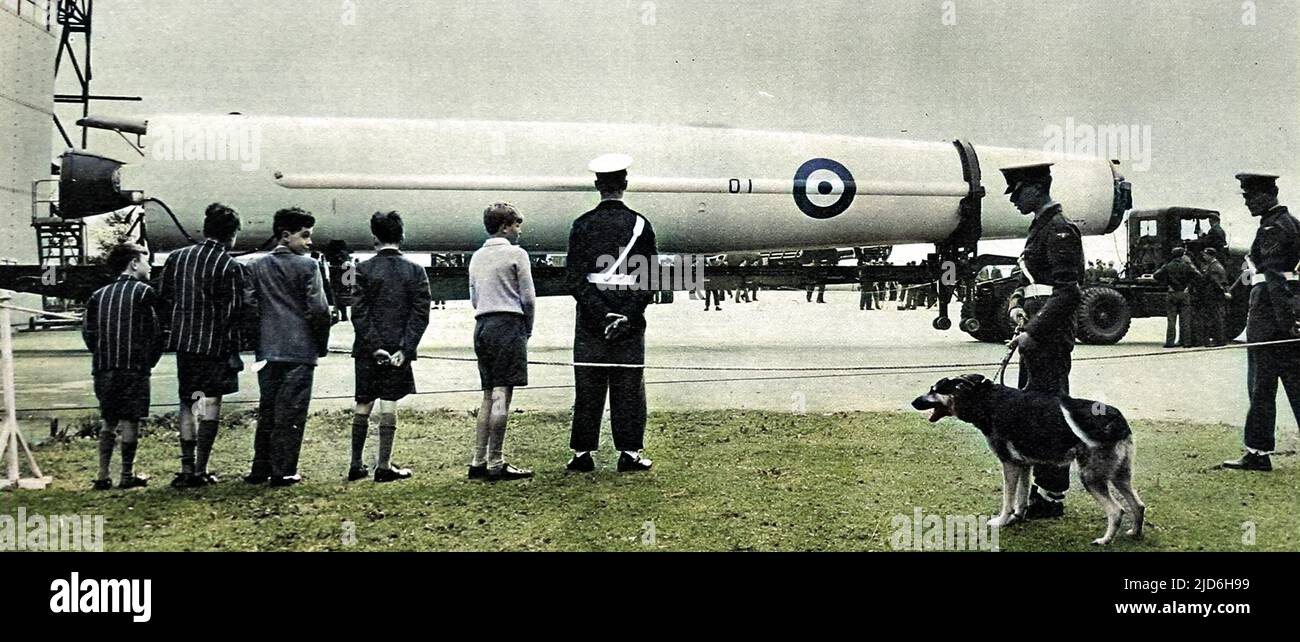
pixel 1103 316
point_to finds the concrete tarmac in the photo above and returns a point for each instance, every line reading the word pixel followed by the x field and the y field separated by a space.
pixel 781 330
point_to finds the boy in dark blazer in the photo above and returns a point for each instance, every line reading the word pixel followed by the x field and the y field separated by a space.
pixel 390 313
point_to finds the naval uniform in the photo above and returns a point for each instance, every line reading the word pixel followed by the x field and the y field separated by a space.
pixel 1051 268
pixel 605 232
pixel 1274 308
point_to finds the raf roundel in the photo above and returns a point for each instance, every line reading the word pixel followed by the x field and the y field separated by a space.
pixel 823 188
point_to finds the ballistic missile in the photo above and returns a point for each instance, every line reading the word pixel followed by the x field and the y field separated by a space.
pixel 705 189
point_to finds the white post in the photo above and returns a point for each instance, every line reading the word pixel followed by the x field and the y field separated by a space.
pixel 10 433
pixel 10 438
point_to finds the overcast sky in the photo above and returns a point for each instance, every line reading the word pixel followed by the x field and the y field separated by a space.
pixel 1212 81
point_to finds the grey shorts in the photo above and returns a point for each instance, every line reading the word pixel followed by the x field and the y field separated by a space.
pixel 501 345
pixel 123 394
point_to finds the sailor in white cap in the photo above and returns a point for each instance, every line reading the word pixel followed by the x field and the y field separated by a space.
pixel 1274 315
pixel 606 245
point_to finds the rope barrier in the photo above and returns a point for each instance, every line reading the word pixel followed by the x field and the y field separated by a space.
pixel 879 368
pixel 57 315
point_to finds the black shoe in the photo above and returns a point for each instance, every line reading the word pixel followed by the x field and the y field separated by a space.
pixel 134 481
pixel 391 474
pixel 478 472
pixel 281 482
pixel 1251 461
pixel 255 479
pixel 187 480
pixel 1171 345
pixel 1040 508
pixel 507 472
pixel 102 484
pixel 628 464
pixel 358 472
pixel 581 464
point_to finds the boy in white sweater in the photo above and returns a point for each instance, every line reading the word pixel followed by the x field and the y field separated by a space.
pixel 501 291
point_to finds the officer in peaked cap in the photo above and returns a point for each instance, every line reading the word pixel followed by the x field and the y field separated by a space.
pixel 1274 310
pixel 606 246
pixel 1043 307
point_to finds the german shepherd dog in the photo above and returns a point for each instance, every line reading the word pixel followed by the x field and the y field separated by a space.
pixel 1024 428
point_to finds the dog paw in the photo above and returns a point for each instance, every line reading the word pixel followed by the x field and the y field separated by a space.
pixel 1002 520
pixel 1101 541
pixel 1134 533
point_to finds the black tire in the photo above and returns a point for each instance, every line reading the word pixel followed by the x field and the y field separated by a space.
pixel 988 306
pixel 1103 316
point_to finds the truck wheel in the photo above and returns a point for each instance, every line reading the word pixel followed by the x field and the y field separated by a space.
pixel 991 323
pixel 1103 316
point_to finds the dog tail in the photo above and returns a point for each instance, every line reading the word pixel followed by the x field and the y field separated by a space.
pixel 1077 430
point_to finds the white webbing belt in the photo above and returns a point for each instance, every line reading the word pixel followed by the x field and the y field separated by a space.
pixel 1037 289
pixel 1034 289
pixel 608 277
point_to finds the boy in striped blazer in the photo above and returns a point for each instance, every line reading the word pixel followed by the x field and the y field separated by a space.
pixel 201 291
pixel 121 329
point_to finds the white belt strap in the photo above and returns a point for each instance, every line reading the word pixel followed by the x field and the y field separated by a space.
pixel 600 278
pixel 1037 289
pixel 1024 269
pixel 608 277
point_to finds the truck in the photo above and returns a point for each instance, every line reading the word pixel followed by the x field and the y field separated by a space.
pixel 1109 305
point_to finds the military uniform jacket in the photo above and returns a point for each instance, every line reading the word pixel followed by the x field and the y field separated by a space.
pixel 604 232
pixel 1178 274
pixel 1216 238
pixel 1053 256
pixel 391 310
pixel 1275 303
pixel 1215 282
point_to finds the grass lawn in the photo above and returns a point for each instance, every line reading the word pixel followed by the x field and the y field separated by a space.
pixel 723 480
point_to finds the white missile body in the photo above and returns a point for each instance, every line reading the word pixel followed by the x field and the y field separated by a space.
pixel 704 189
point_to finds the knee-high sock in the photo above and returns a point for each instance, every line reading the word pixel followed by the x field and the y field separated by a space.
pixel 187 455
pixel 360 428
pixel 107 440
pixel 207 437
pixel 387 429
pixel 129 443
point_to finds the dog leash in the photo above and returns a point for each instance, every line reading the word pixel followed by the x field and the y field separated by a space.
pixel 1001 376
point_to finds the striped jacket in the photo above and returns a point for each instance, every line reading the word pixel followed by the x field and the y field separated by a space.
pixel 121 326
pixel 201 291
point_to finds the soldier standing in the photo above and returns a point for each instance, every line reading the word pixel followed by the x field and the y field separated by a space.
pixel 1044 306
pixel 605 245
pixel 1214 291
pixel 1178 275
pixel 1274 310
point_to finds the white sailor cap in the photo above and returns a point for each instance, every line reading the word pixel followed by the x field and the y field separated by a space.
pixel 609 163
